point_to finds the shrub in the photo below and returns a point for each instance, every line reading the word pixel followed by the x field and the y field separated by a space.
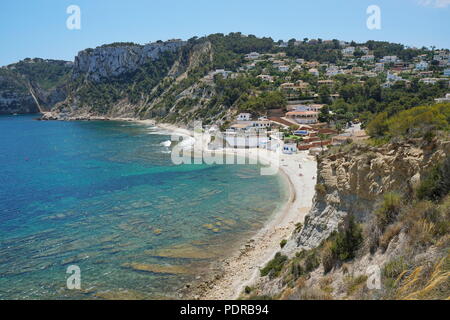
pixel 437 183
pixel 391 232
pixel 283 243
pixel 248 290
pixel 321 189
pixel 389 209
pixel 327 256
pixel 355 283
pixel 274 266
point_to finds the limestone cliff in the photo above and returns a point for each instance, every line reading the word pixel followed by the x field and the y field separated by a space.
pixel 352 181
pixel 368 213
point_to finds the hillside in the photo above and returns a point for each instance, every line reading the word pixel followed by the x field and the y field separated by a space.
pixel 33 85
pixel 385 206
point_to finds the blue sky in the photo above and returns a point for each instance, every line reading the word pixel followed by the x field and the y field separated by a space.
pixel 37 28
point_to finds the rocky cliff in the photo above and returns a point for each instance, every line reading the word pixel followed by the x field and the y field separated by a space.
pixel 33 85
pixel 353 182
pixel 115 59
pixel 375 208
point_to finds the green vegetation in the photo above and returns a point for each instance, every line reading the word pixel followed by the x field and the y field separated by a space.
pixel 416 122
pixel 342 245
pixel 274 266
pixel 283 243
pixel 45 73
pixel 437 183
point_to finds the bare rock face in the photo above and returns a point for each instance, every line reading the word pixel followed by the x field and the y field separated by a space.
pixel 113 60
pixel 353 182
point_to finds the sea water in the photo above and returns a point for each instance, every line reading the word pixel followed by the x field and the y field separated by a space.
pixel 105 197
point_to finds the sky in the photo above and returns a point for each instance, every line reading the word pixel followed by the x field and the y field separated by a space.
pixel 37 28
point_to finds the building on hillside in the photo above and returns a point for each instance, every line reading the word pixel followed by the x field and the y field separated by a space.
pixel 303 117
pixel 314 72
pixel 368 57
pixel 442 100
pixel 422 66
pixel 283 68
pixel 252 56
pixel 265 77
pixel 328 83
pixel 390 59
pixel 349 51
pixel 244 117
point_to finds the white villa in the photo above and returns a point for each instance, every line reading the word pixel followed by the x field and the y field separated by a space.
pixel 422 66
pixel 283 68
pixel 244 117
pixel 389 59
pixel 252 56
pixel 289 148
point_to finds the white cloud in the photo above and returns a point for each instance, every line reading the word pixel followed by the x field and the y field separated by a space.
pixel 435 3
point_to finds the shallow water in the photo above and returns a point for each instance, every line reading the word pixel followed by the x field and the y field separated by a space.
pixel 106 197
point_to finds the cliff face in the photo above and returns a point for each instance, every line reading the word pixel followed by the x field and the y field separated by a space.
pixel 160 80
pixel 352 181
pixel 404 236
pixel 113 60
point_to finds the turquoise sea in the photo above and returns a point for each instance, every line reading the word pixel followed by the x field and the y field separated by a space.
pixel 105 196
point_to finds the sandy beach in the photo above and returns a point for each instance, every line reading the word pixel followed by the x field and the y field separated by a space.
pixel 242 267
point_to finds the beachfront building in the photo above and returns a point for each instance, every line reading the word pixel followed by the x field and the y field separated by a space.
pixel 290 148
pixel 303 117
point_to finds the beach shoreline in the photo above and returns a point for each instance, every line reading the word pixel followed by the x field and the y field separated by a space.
pixel 241 268
pixel 227 278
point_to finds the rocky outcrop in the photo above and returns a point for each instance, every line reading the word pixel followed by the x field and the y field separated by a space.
pixel 353 181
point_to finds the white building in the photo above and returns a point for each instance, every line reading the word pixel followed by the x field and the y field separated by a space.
pixel 290 148
pixel 303 117
pixel 283 68
pixel 244 117
pixel 392 77
pixel 447 72
pixel 349 51
pixel 368 57
pixel 252 56
pixel 442 100
pixel 422 66
pixel 389 59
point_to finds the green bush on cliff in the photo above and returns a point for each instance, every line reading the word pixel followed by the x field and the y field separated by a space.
pixel 274 266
